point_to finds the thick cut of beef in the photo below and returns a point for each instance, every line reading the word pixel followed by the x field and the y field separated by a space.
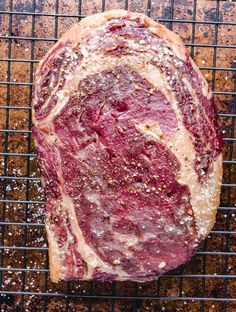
pixel 129 150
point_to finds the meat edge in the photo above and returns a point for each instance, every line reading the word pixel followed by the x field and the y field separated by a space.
pixel 86 26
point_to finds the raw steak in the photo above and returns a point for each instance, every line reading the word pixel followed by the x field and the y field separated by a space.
pixel 129 150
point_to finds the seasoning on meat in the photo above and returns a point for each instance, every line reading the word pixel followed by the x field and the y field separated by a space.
pixel 129 150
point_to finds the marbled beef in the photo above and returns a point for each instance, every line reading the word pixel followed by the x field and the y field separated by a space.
pixel 129 150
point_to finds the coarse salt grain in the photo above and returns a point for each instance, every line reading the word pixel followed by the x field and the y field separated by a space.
pixel 162 265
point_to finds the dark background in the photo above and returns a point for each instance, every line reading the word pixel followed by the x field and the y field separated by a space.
pixel 28 28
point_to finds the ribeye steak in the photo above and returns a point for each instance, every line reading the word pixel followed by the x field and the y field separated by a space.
pixel 129 150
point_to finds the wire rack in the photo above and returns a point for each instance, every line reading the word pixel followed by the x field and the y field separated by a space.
pixel 28 28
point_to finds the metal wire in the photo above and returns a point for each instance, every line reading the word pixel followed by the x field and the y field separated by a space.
pixel 229 200
pixel 6 146
pixel 126 7
pixel 25 224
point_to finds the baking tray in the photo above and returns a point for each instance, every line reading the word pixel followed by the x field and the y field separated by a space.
pixel 28 28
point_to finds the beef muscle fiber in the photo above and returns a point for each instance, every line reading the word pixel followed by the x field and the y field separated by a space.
pixel 129 150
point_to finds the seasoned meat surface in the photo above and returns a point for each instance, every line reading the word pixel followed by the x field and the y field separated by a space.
pixel 129 150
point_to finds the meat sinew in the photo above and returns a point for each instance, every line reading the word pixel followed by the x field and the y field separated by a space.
pixel 129 150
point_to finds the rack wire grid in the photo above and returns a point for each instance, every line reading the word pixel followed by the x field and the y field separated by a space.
pixel 28 28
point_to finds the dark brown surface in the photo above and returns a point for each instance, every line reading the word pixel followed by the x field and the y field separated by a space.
pixel 19 95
